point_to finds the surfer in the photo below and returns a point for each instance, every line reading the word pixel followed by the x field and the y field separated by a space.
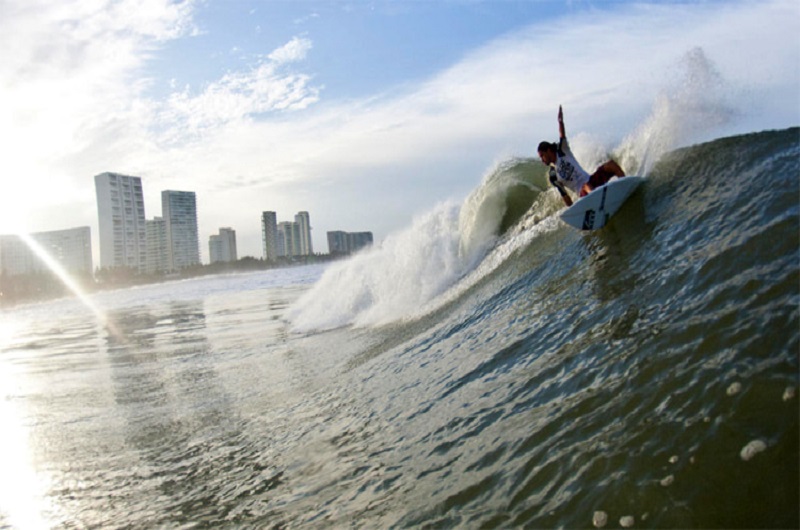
pixel 566 172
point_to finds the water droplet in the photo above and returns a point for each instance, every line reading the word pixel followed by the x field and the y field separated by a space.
pixel 734 389
pixel 627 521
pixel 668 480
pixel 673 459
pixel 788 393
pixel 599 519
pixel 752 449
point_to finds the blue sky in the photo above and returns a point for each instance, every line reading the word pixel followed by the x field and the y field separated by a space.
pixel 360 47
pixel 365 114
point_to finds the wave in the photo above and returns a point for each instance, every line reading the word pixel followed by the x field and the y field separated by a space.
pixel 453 246
pixel 412 267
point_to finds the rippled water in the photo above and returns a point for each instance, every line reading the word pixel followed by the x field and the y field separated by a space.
pixel 645 375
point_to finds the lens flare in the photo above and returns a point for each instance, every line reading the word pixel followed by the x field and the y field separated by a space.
pixel 68 281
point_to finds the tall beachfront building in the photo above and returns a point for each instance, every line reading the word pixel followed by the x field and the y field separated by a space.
pixel 179 211
pixel 340 242
pixel 222 246
pixel 120 209
pixel 157 251
pixel 71 249
pixel 269 235
pixel 289 239
pixel 303 222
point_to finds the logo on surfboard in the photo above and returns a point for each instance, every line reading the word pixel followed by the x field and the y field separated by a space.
pixel 588 220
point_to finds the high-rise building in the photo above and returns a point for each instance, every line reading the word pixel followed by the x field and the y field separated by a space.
pixel 348 242
pixel 337 242
pixel 179 210
pixel 304 226
pixel 120 209
pixel 222 247
pixel 359 240
pixel 269 235
pixel 71 249
pixel 157 251
pixel 289 239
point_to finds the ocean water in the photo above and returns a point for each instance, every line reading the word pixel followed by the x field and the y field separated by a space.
pixel 486 367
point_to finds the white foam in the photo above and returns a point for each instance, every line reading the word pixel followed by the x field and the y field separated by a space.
pixel 387 282
pixel 752 449
pixel 406 276
pixel 734 389
pixel 599 519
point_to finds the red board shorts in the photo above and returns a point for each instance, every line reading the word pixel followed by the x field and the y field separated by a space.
pixel 598 178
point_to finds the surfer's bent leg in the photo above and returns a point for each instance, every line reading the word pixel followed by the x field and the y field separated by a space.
pixel 602 175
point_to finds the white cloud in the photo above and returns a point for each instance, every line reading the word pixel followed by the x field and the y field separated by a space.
pixel 293 51
pixel 236 96
pixel 67 82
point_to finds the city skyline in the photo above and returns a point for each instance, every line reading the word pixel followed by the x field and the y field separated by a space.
pixel 361 113
pixel 171 241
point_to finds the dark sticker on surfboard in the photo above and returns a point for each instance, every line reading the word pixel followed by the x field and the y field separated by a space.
pixel 588 220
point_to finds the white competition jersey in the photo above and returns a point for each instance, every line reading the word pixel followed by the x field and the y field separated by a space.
pixel 568 171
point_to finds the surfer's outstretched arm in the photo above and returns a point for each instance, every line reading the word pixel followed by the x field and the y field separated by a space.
pixel 562 133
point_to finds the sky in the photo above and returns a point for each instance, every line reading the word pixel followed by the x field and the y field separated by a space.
pixel 364 113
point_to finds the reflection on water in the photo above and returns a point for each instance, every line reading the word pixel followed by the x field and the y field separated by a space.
pixel 22 488
pixel 144 416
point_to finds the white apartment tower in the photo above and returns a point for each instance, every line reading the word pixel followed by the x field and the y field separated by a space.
pixel 289 240
pixel 157 251
pixel 222 246
pixel 120 209
pixel 304 225
pixel 179 210
pixel 269 235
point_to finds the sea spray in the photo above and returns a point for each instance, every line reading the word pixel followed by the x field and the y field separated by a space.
pixel 691 107
pixel 400 278
pixel 387 282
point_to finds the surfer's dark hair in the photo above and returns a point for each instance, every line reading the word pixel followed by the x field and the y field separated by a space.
pixel 547 146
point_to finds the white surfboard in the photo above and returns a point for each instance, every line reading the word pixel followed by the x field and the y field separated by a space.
pixel 593 211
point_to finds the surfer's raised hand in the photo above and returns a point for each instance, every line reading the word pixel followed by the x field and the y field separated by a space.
pixel 561 131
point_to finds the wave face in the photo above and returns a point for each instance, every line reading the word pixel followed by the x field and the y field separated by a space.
pixel 535 374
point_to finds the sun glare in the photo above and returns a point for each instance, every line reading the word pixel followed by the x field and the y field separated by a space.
pixel 64 276
pixel 22 488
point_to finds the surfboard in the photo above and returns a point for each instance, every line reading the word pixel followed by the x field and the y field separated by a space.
pixel 594 210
